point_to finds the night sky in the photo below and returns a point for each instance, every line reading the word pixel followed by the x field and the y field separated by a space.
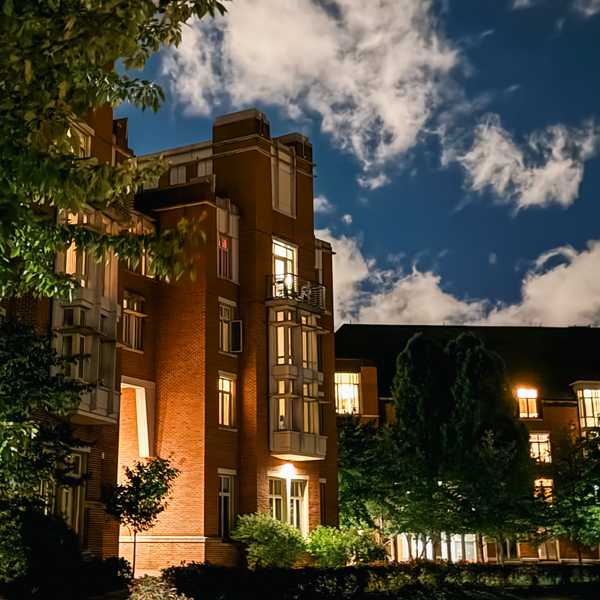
pixel 457 144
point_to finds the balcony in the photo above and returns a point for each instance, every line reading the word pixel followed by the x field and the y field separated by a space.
pixel 291 287
pixel 298 446
pixel 99 406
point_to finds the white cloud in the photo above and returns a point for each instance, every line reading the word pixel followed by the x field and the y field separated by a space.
pixel 547 169
pixel 347 219
pixel 322 205
pixel 374 75
pixel 561 288
pixel 521 4
pixel 492 258
pixel 587 8
pixel 373 182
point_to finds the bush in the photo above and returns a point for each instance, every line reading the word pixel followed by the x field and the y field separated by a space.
pixel 268 542
pixel 338 547
pixel 54 565
pixel 419 580
pixel 154 588
pixel 328 546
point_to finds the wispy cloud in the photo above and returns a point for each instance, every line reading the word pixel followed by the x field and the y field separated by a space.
pixel 374 77
pixel 547 168
pixel 587 8
pixel 347 219
pixel 322 205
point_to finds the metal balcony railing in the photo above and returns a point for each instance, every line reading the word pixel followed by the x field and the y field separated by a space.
pixel 292 287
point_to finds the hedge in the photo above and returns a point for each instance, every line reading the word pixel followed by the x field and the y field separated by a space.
pixel 413 581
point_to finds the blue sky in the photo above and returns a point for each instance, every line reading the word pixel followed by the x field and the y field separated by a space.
pixel 457 144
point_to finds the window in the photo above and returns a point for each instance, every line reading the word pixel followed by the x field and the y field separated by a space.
pixel 204 168
pixel 81 141
pixel 76 264
pixel 347 393
pixel 322 502
pixel 226 504
pixel 227 240
pixel 543 488
pixel 283 336
pixel 319 263
pixel 589 407
pixel 141 226
pixel 226 315
pixel 283 182
pixel 310 410
pixel 276 491
pixel 177 175
pixel 224 256
pixel 309 342
pixel 539 447
pixel 73 348
pixel 67 500
pixel 105 363
pixel 285 389
pixel 133 321
pixel 296 514
pixel 284 263
pixel 528 403
pixel 226 400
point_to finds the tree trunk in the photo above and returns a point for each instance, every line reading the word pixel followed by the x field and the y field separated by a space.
pixel 480 558
pixel 579 558
pixel 134 549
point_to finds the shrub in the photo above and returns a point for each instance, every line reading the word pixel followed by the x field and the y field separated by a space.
pixel 338 547
pixel 329 547
pixel 268 542
pixel 154 588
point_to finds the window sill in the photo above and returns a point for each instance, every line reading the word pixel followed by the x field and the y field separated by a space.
pixel 230 354
pixel 227 279
pixel 282 212
pixel 128 349
pixel 225 428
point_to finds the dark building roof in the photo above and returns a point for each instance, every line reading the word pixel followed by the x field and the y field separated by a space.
pixel 549 358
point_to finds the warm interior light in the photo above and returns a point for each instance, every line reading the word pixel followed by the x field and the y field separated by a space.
pixel 527 393
pixel 288 470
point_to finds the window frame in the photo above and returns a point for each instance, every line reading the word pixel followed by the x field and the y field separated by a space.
pixel 133 326
pixel 528 398
pixel 340 402
pixel 226 518
pixel 540 447
pixel 227 399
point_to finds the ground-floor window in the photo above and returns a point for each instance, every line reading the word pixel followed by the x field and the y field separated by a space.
pixel 226 504
pixel 288 501
pixel 67 501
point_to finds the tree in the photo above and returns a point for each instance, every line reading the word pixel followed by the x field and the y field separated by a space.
pixel 55 69
pixel 138 502
pixel 455 459
pixel 35 438
pixel 574 510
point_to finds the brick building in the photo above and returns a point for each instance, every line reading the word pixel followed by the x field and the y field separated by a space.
pixel 231 373
pixel 554 374
pixel 86 327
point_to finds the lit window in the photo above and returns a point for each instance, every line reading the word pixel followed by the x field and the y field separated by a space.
pixel 543 488
pixel 284 269
pixel 133 321
pixel 81 141
pixel 347 393
pixel 226 315
pixel 276 495
pixel 589 408
pixel 539 447
pixel 285 389
pixel 309 343
pixel 297 501
pixel 177 175
pixel 528 403
pixel 76 264
pixel 310 409
pixel 283 338
pixel 226 504
pixel 226 401
pixel 224 257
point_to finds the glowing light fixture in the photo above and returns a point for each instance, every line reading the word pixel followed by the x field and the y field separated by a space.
pixel 288 470
pixel 527 393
